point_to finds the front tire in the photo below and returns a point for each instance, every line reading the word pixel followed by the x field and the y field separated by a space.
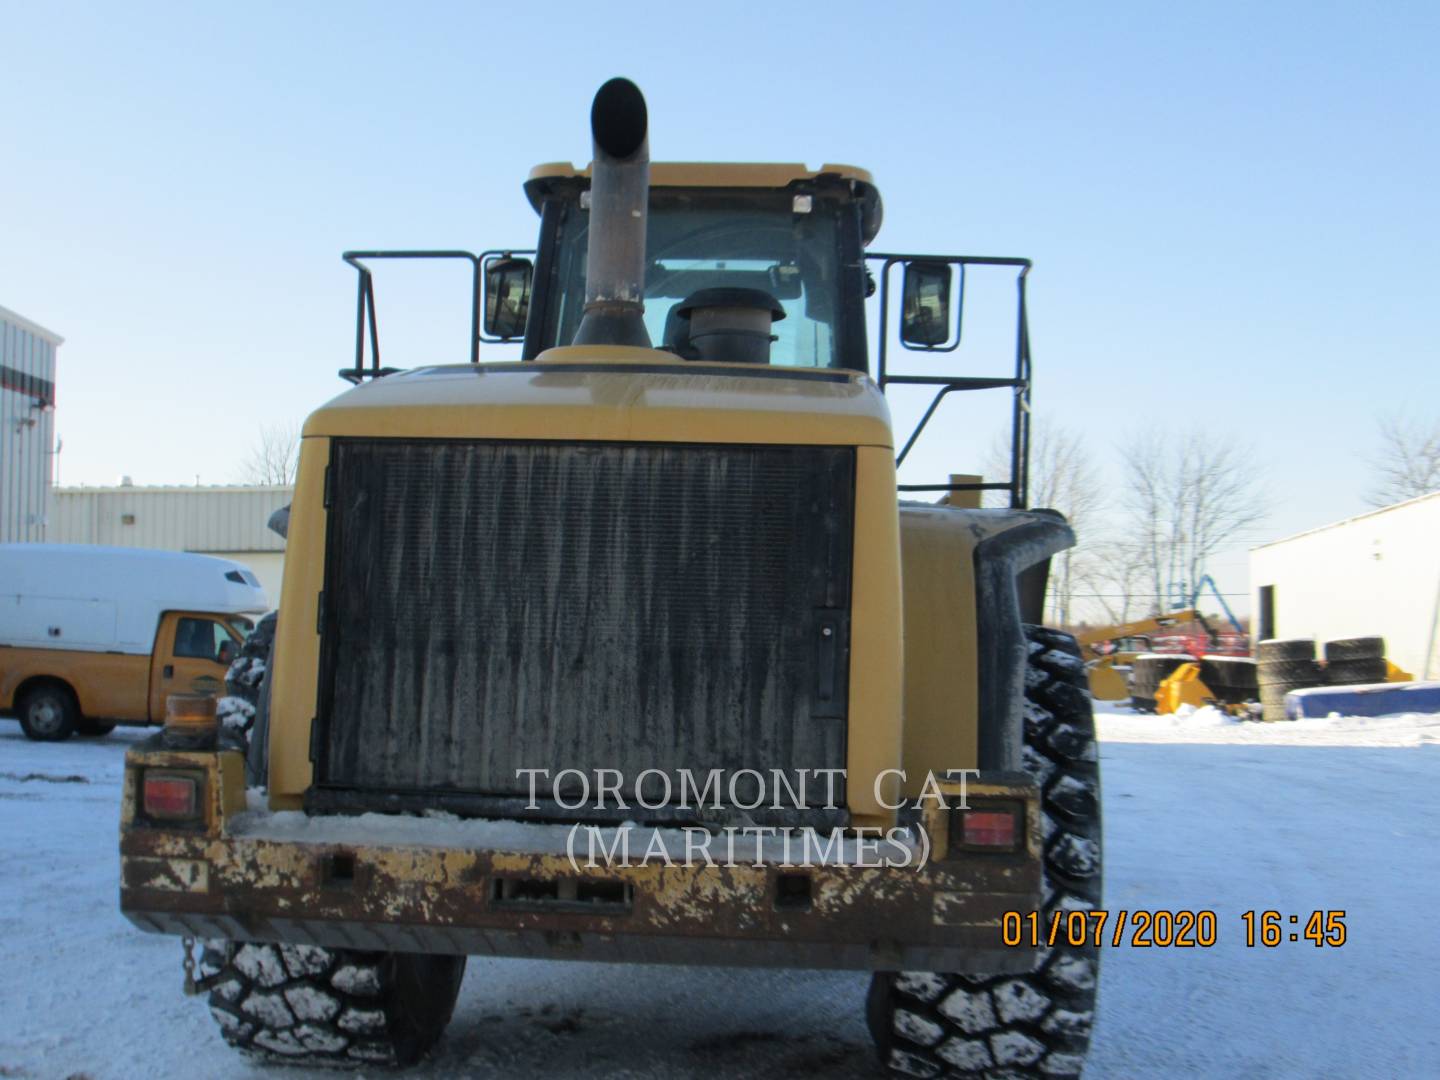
pixel 48 713
pixel 933 1024
pixel 300 1004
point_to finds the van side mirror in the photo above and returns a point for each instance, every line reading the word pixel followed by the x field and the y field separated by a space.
pixel 925 317
pixel 507 296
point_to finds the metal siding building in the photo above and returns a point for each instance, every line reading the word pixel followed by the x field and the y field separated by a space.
pixel 27 425
pixel 1374 574
pixel 225 521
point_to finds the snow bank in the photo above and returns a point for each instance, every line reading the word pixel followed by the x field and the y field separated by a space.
pixel 1211 725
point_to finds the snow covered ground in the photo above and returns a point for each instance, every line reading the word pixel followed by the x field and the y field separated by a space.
pixel 1201 812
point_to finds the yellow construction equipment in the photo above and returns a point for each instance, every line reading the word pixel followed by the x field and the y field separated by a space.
pixel 1110 650
pixel 1183 686
pixel 1127 639
pixel 556 629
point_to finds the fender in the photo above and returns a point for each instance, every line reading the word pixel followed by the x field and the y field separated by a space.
pixel 971 579
pixel 1012 568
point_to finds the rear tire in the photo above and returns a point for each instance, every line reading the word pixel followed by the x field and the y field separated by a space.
pixel 48 713
pixel 1036 1024
pixel 300 1004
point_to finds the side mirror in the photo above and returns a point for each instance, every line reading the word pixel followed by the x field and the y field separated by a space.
pixel 507 296
pixel 925 305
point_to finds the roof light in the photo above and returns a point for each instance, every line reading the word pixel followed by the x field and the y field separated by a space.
pixel 190 720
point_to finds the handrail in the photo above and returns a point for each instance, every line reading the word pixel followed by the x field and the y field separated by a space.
pixel 365 303
pixel 1019 483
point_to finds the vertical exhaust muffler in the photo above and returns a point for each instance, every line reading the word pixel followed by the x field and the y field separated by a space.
pixel 619 201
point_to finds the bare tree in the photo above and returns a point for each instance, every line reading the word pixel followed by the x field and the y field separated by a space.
pixel 1408 462
pixel 274 457
pixel 1186 494
pixel 1114 573
pixel 1150 529
pixel 1063 477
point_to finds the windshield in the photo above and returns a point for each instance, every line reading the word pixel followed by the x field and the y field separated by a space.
pixel 740 240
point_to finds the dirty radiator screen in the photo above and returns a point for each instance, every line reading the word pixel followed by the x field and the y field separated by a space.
pixel 495 606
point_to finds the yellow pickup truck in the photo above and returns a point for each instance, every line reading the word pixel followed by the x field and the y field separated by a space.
pixel 94 636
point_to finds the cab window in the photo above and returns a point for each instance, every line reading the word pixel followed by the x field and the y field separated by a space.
pixel 754 241
pixel 201 639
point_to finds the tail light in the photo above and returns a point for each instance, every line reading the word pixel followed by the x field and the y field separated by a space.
pixel 171 796
pixel 988 828
pixel 993 829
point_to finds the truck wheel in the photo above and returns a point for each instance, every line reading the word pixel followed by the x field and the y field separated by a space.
pixel 300 1004
pixel 1035 1025
pixel 48 713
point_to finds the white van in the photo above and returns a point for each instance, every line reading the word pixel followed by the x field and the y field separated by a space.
pixel 94 636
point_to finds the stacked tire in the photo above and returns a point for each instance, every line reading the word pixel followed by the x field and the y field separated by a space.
pixel 1148 672
pixel 1284 665
pixel 1354 661
pixel 1234 680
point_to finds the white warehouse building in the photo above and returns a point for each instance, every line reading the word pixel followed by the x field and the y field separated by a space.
pixel 1376 574
pixel 230 522
pixel 27 426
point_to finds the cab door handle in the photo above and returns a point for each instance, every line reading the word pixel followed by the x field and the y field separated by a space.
pixel 168 671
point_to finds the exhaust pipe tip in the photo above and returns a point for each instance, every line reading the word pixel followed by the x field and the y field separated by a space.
pixel 618 119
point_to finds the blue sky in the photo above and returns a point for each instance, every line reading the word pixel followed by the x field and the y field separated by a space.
pixel 1232 208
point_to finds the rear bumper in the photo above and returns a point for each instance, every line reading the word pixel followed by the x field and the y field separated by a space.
pixel 508 889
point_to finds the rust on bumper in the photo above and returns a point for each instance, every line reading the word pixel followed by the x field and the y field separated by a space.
pixel 508 889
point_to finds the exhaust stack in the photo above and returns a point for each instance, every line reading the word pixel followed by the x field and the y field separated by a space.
pixel 619 199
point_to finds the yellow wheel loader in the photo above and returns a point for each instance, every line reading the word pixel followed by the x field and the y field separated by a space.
pixel 633 650
pixel 1110 651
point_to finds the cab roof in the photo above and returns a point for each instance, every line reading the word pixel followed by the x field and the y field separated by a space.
pixel 555 177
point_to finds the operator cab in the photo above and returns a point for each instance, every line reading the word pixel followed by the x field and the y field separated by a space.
pixel 710 269
pixel 743 263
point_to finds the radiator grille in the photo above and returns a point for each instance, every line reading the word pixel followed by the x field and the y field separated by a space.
pixel 497 606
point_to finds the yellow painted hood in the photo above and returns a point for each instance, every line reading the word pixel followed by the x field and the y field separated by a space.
pixel 615 394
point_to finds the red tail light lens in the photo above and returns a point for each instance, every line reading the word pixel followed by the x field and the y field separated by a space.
pixel 990 829
pixel 171 796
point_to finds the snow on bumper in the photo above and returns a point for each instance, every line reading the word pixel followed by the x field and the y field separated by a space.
pixel 446 885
